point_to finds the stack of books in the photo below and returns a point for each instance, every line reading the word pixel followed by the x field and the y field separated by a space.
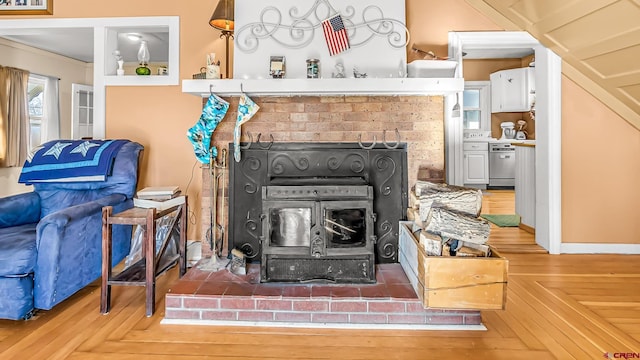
pixel 159 197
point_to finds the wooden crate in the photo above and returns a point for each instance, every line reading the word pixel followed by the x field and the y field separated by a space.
pixel 444 282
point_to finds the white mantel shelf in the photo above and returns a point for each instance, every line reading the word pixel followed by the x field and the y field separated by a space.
pixel 325 87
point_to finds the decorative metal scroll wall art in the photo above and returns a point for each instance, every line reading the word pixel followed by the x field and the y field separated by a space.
pixel 303 27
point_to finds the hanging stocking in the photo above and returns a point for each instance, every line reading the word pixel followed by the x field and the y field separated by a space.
pixel 200 134
pixel 246 109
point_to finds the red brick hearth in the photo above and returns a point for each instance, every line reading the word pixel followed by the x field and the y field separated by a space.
pixel 225 298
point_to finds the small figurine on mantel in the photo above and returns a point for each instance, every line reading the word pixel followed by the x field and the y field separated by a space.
pixel 340 71
pixel 357 74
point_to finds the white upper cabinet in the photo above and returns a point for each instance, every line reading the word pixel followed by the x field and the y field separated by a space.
pixel 512 90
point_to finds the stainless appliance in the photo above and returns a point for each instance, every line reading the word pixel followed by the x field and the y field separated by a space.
pixel 502 164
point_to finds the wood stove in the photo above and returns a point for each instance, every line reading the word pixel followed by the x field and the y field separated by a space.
pixel 320 232
pixel 281 195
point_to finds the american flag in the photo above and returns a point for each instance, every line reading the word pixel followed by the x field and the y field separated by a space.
pixel 335 34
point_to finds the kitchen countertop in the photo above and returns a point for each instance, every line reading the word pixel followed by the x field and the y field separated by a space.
pixel 525 143
pixel 499 141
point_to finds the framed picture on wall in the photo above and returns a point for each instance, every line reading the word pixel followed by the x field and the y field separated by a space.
pixel 26 7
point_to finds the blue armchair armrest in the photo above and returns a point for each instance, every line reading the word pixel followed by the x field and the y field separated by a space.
pixel 69 245
pixel 19 209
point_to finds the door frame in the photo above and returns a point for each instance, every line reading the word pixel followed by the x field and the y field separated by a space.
pixel 548 128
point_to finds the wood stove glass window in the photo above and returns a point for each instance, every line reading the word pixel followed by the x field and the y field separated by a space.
pixel 290 226
pixel 345 228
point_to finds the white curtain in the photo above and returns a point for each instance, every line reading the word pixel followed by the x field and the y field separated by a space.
pixel 51 126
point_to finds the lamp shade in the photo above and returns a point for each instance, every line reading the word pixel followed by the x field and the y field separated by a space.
pixel 222 18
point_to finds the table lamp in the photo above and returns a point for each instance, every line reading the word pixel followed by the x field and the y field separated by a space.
pixel 222 19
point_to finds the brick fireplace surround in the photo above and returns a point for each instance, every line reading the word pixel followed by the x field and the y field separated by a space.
pixel 419 119
pixel 225 298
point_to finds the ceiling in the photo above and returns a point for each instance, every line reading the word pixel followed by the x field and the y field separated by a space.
pixel 599 42
pixel 77 43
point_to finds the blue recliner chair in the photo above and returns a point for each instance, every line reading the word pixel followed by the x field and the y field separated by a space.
pixel 51 238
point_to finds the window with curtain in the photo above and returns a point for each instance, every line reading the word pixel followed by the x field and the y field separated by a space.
pixel 35 92
pixel 29 113
pixel 44 109
pixel 14 116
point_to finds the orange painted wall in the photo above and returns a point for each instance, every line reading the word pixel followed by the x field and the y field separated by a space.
pixel 159 116
pixel 600 172
pixel 429 23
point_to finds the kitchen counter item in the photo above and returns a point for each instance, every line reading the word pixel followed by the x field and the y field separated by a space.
pixel 477 135
pixel 508 130
pixel 521 134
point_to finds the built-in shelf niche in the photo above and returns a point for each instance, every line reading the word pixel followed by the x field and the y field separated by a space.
pixel 162 35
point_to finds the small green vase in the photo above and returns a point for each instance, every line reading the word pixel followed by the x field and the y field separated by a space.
pixel 143 70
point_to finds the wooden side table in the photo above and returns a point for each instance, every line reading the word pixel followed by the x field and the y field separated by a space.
pixel 150 266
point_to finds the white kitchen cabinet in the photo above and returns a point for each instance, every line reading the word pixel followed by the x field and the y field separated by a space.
pixel 512 90
pixel 476 163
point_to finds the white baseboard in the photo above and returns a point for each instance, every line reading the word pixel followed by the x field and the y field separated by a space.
pixel 586 248
pixel 190 322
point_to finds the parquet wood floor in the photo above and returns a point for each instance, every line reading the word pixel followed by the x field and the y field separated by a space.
pixel 558 307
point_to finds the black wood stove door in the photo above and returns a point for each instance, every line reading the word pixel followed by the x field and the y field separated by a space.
pixel 317 163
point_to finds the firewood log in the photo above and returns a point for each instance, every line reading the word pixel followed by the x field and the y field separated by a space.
pixel 413 215
pixel 471 249
pixel 457 225
pixel 431 243
pixel 457 198
pixel 422 186
pixel 414 200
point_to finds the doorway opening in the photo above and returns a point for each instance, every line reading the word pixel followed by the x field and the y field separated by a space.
pixel 548 107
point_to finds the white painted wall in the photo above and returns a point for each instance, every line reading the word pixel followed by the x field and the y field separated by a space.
pixel 376 57
pixel 45 63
